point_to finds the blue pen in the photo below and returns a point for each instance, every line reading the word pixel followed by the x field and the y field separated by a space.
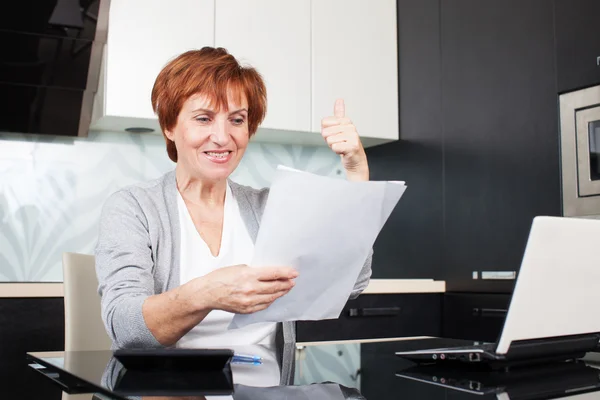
pixel 246 359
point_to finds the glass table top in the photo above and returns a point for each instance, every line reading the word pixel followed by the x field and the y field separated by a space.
pixel 335 370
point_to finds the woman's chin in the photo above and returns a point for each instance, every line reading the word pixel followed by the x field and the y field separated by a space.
pixel 215 173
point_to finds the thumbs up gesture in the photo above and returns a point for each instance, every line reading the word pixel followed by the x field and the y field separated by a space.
pixel 343 139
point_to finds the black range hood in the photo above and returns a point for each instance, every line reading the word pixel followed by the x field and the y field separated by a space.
pixel 50 57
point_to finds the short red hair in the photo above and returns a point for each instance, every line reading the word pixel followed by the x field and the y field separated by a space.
pixel 211 72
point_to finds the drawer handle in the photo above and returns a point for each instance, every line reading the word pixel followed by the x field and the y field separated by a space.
pixel 374 312
pixel 489 312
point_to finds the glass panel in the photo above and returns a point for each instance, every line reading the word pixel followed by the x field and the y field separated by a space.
pixel 52 188
pixel 338 363
pixel 594 130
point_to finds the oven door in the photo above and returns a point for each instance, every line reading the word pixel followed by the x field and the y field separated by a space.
pixel 580 152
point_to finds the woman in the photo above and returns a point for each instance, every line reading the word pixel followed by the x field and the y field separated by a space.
pixel 172 253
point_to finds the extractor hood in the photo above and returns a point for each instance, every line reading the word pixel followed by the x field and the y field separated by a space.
pixel 50 58
pixel 68 67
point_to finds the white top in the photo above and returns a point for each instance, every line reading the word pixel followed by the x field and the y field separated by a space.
pixel 267 374
pixel 196 260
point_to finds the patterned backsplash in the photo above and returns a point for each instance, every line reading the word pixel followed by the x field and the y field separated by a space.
pixel 52 189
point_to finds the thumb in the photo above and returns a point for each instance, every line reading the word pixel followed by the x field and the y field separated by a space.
pixel 339 109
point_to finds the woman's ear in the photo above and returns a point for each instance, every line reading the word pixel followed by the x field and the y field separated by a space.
pixel 169 135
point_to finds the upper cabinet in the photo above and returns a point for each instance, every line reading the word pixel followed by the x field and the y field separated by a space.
pixel 354 57
pixel 309 53
pixel 143 35
pixel 577 43
pixel 274 37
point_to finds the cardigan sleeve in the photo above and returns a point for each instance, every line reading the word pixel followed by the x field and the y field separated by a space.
pixel 124 267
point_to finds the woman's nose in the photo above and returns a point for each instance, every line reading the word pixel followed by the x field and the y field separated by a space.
pixel 220 135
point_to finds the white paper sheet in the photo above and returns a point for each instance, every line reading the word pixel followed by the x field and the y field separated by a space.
pixel 325 228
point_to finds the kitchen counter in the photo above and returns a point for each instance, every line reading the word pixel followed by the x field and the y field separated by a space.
pixel 389 286
pixel 31 289
pixel 376 286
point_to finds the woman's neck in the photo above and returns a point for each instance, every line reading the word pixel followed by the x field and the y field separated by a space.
pixel 197 191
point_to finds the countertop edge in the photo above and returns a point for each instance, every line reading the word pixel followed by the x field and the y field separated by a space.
pixel 376 286
pixel 362 341
pixel 400 286
pixel 31 289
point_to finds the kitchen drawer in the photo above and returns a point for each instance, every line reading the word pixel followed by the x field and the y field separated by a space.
pixel 478 286
pixel 474 316
pixel 378 316
pixel 29 324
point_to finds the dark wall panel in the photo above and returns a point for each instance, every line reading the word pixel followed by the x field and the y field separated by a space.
pixel 403 249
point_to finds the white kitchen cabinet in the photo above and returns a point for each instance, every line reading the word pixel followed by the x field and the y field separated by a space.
pixel 143 35
pixel 309 52
pixel 274 37
pixel 354 57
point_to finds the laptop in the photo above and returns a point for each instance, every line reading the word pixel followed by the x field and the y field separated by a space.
pixel 553 313
pixel 554 380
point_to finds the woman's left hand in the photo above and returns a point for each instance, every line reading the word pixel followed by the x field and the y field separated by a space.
pixel 343 139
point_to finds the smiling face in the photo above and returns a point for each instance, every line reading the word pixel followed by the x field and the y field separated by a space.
pixel 210 142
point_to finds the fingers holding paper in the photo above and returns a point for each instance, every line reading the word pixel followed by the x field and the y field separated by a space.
pixel 244 290
pixel 342 137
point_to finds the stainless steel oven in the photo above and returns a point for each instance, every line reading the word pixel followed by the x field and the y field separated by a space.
pixel 580 152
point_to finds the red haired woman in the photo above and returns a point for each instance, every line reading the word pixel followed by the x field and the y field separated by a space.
pixel 172 253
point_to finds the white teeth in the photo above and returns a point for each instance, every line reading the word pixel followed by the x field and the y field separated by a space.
pixel 218 155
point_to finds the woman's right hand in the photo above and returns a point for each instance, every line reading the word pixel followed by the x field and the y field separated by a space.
pixel 244 290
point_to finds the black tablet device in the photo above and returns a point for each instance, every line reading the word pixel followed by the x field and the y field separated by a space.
pixel 174 359
pixel 174 383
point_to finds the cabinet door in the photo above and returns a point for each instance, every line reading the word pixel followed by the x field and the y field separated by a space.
pixel 274 37
pixel 29 325
pixel 577 43
pixel 501 159
pixel 474 316
pixel 378 316
pixel 143 36
pixel 354 57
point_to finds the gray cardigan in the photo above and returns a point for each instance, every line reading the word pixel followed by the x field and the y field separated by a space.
pixel 137 255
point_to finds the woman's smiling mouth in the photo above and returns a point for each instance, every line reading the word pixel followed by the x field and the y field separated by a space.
pixel 218 156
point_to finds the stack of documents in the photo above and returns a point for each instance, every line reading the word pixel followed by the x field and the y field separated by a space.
pixel 324 228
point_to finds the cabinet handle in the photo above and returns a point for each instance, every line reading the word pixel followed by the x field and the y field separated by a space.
pixel 489 312
pixel 374 312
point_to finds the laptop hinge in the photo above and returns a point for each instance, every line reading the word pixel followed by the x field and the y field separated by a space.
pixel 543 347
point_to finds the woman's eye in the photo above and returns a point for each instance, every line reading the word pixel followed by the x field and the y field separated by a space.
pixel 238 121
pixel 203 119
